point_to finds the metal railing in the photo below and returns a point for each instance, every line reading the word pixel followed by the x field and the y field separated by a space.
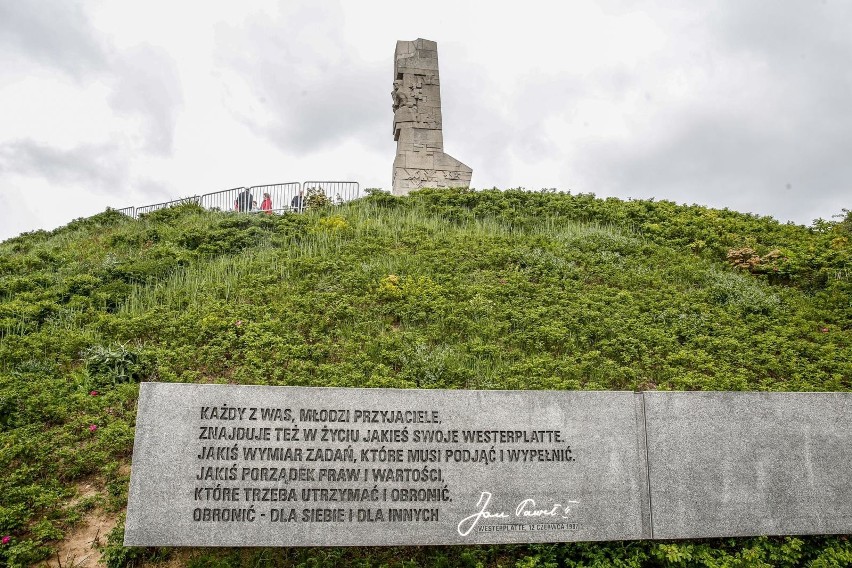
pixel 337 191
pixel 165 205
pixel 224 200
pixel 270 198
pixel 282 196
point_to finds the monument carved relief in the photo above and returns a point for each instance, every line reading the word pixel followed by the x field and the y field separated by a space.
pixel 417 123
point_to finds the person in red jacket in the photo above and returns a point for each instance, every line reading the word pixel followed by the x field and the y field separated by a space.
pixel 266 205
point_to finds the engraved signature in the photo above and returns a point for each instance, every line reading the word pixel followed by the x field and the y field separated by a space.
pixel 525 509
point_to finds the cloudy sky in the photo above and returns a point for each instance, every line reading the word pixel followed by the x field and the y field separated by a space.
pixel 732 104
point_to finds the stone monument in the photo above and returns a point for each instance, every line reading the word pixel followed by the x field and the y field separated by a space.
pixel 420 158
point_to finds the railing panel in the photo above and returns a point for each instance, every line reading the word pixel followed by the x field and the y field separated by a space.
pixel 225 200
pixel 337 191
pixel 129 211
pixel 281 196
pixel 165 205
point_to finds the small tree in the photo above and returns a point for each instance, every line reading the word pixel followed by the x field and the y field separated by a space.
pixel 316 198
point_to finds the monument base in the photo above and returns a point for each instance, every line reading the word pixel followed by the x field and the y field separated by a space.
pixel 445 171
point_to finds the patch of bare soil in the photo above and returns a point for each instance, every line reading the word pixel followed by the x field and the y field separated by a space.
pixel 80 547
pixel 85 489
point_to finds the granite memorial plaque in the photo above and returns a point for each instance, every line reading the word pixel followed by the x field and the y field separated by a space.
pixel 217 465
pixel 748 463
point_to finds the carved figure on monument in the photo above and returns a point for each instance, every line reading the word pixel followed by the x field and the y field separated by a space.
pixel 400 99
pixel 417 122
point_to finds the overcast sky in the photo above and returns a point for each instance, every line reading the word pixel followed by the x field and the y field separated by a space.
pixel 732 104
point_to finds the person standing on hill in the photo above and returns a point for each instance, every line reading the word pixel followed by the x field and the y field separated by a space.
pixel 297 204
pixel 245 201
pixel 266 204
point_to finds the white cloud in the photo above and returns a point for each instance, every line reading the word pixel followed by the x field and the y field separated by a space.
pixel 147 87
pixel 737 105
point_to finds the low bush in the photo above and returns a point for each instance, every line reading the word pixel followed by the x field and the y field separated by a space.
pixel 439 289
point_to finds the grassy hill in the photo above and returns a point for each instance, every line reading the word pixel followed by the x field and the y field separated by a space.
pixel 441 289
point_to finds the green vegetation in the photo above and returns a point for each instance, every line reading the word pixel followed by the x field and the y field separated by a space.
pixel 442 289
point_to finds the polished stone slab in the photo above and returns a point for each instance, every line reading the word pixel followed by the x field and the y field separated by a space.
pixel 409 467
pixel 745 463
pixel 221 465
